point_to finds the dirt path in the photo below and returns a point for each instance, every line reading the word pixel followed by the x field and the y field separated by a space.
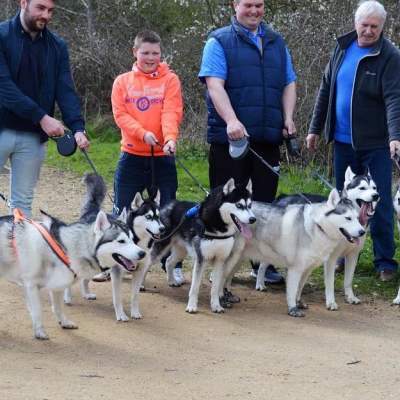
pixel 254 351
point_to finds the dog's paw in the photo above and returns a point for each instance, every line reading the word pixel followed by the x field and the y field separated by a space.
pixel 41 334
pixel 396 301
pixel 332 306
pixel 301 305
pixel 68 325
pixel 136 315
pixel 191 309
pixel 217 308
pixel 352 300
pixel 90 296
pixel 261 288
pixel 122 317
pixel 296 312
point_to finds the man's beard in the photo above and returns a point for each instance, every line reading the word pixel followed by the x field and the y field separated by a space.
pixel 31 23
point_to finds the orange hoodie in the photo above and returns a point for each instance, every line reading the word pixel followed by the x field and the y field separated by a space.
pixel 147 102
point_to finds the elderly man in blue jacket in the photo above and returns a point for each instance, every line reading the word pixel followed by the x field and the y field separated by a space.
pixel 34 75
pixel 358 107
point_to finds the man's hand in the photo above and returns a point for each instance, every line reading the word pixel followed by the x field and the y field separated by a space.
pixel 51 126
pixel 394 148
pixel 81 140
pixel 169 148
pixel 235 130
pixel 289 129
pixel 150 138
pixel 312 141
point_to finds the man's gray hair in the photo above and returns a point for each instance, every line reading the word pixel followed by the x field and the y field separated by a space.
pixel 370 8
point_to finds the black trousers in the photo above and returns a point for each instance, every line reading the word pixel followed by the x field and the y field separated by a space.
pixel 265 183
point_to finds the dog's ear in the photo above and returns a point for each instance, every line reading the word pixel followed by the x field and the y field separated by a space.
pixel 343 194
pixel 229 187
pixel 123 217
pixel 157 197
pixel 46 219
pixel 349 174
pixel 249 186
pixel 137 201
pixel 333 199
pixel 102 223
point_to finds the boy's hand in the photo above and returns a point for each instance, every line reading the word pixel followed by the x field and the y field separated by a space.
pixel 169 147
pixel 150 138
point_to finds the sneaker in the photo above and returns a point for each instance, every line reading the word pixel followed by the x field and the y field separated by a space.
pixel 102 277
pixel 387 275
pixel 272 276
pixel 230 297
pixel 178 276
pixel 340 265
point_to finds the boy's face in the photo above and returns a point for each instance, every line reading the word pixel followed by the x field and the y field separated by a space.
pixel 148 56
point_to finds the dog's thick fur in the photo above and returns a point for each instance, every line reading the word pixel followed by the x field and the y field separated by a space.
pixel 300 237
pixel 91 248
pixel 209 237
pixel 362 192
pixel 396 205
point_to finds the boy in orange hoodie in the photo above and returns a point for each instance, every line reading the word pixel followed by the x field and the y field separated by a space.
pixel 148 108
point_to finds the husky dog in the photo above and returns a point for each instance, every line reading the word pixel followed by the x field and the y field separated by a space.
pixel 300 237
pixel 396 205
pixel 144 221
pixel 27 259
pixel 208 237
pixel 361 191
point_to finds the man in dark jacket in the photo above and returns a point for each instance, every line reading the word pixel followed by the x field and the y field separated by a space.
pixel 359 105
pixel 34 75
pixel 251 88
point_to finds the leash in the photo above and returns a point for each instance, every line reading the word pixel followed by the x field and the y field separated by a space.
pixel 46 235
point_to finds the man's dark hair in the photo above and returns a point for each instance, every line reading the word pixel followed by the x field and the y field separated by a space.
pixel 146 36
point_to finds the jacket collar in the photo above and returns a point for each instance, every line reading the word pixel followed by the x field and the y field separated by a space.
pixel 347 39
pixel 268 35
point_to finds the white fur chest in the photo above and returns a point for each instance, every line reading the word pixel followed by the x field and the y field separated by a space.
pixel 216 248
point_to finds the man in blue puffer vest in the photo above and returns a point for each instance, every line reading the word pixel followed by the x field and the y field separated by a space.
pixel 34 75
pixel 251 91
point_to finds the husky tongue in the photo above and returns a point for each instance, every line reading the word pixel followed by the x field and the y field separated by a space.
pixel 363 217
pixel 246 231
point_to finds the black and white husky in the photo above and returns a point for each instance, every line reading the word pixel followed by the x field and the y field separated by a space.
pixel 362 192
pixel 209 236
pixel 300 237
pixel 91 247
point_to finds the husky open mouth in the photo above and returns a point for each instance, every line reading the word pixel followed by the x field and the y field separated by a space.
pixel 242 228
pixel 124 262
pixel 349 238
pixel 153 235
pixel 366 211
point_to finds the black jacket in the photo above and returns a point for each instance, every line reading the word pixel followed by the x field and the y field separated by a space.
pixel 375 105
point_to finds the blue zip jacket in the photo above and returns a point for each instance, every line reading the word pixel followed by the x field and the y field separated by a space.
pixel 58 85
pixel 255 84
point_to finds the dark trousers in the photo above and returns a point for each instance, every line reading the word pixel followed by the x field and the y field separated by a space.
pixel 134 174
pixel 265 183
pixel 380 166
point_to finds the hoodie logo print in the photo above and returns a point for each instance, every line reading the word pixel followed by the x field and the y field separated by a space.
pixel 143 103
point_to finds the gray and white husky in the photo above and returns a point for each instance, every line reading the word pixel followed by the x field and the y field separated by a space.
pixel 209 236
pixel 362 192
pixel 396 205
pixel 90 247
pixel 301 237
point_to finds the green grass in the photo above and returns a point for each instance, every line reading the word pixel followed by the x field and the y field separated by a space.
pixel 105 151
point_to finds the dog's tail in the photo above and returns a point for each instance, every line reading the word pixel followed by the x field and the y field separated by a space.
pixel 95 193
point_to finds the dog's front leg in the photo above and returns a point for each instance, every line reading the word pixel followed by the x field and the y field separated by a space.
pixel 349 268
pixel 197 275
pixel 35 309
pixel 396 301
pixel 56 297
pixel 85 292
pixel 329 279
pixel 294 275
pixel 303 280
pixel 217 287
pixel 137 282
pixel 260 283
pixel 116 283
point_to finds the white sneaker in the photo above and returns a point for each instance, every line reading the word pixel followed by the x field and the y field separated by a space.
pixel 253 274
pixel 178 276
pixel 102 276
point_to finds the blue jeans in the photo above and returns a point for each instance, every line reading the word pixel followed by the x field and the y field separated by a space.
pixel 26 155
pixel 134 174
pixel 380 166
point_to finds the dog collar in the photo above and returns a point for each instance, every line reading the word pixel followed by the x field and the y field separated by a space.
pixel 216 237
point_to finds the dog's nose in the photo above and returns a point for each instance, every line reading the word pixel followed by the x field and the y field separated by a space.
pixel 162 229
pixel 141 254
pixel 252 220
pixel 375 197
pixel 361 232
